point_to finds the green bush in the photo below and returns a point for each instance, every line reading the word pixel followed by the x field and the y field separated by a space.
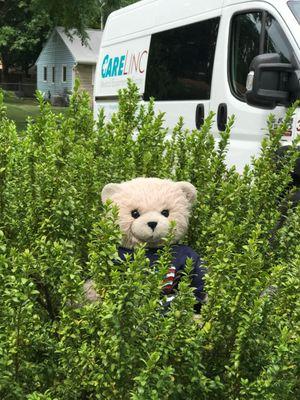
pixel 55 234
pixel 9 96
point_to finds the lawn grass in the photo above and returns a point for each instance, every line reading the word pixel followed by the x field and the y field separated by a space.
pixel 19 109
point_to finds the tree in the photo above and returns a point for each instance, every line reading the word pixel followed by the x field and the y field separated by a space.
pixel 108 6
pixel 80 14
pixel 73 15
pixel 22 32
pixel 26 24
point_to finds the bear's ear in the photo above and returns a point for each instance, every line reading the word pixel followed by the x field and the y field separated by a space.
pixel 189 190
pixel 109 190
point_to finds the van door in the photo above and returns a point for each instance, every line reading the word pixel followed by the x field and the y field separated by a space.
pixel 246 31
pixel 179 71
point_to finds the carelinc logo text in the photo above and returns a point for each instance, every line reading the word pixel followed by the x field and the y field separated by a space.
pixel 124 65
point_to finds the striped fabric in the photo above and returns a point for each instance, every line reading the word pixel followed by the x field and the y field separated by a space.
pixel 168 282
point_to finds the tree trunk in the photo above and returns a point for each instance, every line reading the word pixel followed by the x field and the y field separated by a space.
pixel 5 70
pixel 26 70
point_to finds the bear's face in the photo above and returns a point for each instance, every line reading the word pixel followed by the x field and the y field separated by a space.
pixel 148 205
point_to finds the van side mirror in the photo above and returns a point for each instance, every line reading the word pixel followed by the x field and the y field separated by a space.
pixel 271 82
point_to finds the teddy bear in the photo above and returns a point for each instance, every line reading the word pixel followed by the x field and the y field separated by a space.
pixel 146 208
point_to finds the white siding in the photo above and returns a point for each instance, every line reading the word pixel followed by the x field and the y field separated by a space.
pixel 55 53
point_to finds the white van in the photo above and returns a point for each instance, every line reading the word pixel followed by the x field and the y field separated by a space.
pixel 237 57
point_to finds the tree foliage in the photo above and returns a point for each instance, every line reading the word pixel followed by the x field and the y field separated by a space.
pixel 22 32
pixel 25 25
pixel 54 234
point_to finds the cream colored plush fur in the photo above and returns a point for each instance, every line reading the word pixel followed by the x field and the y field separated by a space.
pixel 149 197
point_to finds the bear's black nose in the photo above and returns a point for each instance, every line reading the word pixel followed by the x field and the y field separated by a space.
pixel 152 224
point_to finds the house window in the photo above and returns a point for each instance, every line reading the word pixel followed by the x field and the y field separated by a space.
pixel 45 73
pixel 64 73
pixel 181 62
pixel 53 74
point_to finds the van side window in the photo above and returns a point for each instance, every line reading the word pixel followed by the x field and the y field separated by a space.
pixel 245 36
pixel 253 33
pixel 181 61
pixel 276 41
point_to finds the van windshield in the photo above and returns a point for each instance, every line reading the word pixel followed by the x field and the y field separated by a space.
pixel 295 7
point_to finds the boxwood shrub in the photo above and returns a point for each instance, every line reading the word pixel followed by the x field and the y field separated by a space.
pixel 55 234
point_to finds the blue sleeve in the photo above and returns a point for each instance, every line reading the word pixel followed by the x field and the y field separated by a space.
pixel 198 282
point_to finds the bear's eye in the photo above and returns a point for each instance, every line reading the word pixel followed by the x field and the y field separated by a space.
pixel 135 214
pixel 165 213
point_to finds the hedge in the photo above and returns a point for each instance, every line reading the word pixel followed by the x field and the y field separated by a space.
pixel 55 234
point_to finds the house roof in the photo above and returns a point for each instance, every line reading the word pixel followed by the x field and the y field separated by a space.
pixel 81 53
